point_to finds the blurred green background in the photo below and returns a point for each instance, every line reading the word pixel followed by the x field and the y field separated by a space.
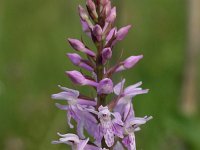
pixel 32 63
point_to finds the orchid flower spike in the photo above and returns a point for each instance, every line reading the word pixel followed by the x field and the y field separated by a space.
pixel 109 120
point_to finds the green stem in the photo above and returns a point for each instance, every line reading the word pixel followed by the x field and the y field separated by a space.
pixel 101 98
pixel 100 73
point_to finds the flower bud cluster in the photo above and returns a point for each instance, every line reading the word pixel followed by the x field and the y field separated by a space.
pixel 111 121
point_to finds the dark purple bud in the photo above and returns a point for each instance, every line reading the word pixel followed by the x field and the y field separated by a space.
pixel 106 54
pixel 129 63
pixel 105 86
pixel 123 32
pixel 97 32
pixel 79 46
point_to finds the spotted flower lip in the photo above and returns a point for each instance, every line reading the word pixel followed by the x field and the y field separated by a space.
pixel 108 128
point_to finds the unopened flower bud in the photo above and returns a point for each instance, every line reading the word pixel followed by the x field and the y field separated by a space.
pixel 75 58
pixel 105 86
pixel 91 6
pixel 76 44
pixel 79 46
pixel 83 14
pixel 123 32
pixel 113 32
pixel 106 54
pixel 107 9
pixel 78 78
pixel 112 16
pixel 78 61
pixel 129 63
pixel 85 27
pixel 97 32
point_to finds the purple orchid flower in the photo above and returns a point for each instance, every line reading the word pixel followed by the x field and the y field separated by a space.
pixel 131 127
pixel 72 140
pixel 108 128
pixel 75 109
pixel 124 105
